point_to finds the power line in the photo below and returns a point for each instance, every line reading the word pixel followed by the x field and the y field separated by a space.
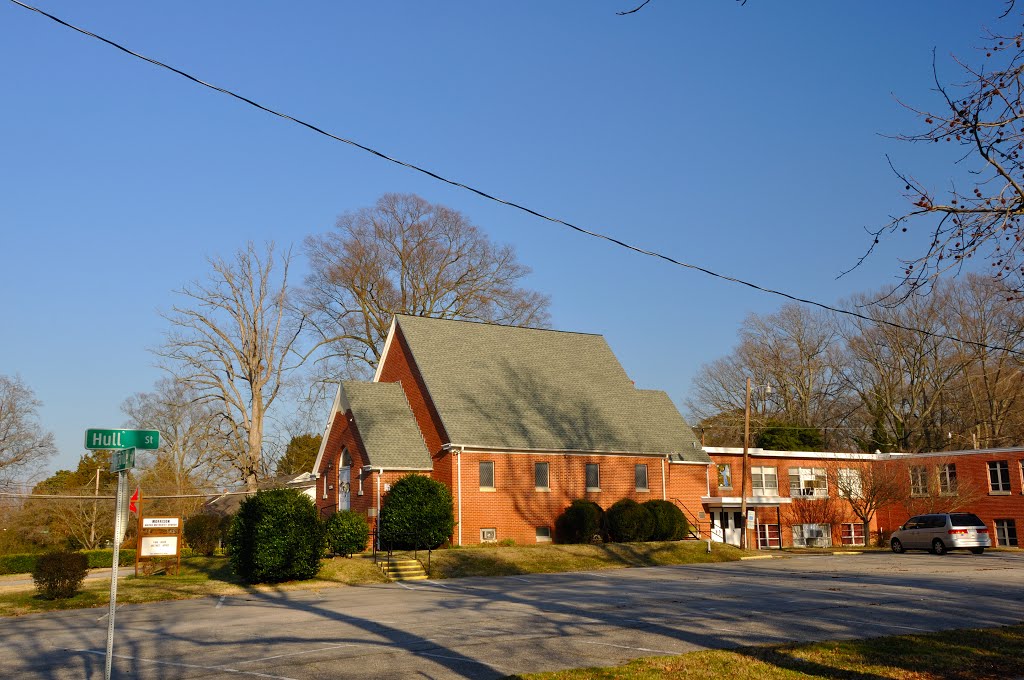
pixel 512 204
pixel 68 497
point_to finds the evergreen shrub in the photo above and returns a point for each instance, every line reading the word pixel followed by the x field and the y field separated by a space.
pixel 416 514
pixel 580 522
pixel 347 533
pixel 59 575
pixel 669 521
pixel 276 536
pixel 627 521
pixel 203 533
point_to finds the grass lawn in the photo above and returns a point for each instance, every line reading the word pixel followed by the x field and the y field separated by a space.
pixel 211 576
pixel 963 654
pixel 199 577
pixel 549 558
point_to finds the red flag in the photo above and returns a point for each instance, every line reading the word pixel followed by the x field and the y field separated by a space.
pixel 133 502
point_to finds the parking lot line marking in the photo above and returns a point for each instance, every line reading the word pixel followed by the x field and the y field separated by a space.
pixel 878 623
pixel 639 649
pixel 220 602
pixel 223 669
pixel 460 658
pixel 515 578
pixel 308 651
pixel 439 585
pixel 405 586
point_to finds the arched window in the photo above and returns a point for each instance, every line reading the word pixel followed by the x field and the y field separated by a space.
pixel 346 460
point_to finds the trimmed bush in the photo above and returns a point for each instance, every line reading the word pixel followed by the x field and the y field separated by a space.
pixel 59 575
pixel 276 536
pixel 628 521
pixel 100 559
pixel 669 521
pixel 580 522
pixel 417 513
pixel 22 563
pixel 203 533
pixel 347 533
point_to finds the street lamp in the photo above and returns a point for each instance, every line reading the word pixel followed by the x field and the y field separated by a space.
pixel 746 459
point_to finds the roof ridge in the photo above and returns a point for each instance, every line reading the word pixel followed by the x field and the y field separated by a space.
pixel 498 325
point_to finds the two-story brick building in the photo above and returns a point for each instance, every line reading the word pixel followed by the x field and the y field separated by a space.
pixel 517 422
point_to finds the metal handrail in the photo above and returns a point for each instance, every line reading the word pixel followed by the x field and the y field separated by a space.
pixel 691 520
pixel 389 548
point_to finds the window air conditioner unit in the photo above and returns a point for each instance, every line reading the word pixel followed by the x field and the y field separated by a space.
pixel 488 535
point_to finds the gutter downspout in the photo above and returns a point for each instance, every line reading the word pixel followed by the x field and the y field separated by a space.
pixel 380 471
pixel 664 492
pixel 459 465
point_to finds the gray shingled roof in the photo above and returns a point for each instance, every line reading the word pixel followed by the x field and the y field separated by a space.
pixel 386 425
pixel 524 388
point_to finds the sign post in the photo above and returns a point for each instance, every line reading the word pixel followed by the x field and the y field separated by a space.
pixel 119 526
pixel 122 444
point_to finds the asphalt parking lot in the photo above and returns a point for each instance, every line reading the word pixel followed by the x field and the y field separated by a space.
pixel 492 627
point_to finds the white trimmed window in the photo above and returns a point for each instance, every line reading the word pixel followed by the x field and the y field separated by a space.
pixel 486 474
pixel 541 476
pixel 808 482
pixel 947 479
pixel 1006 533
pixel 918 480
pixel 543 534
pixel 999 476
pixel 850 483
pixel 593 477
pixel 812 535
pixel 765 481
pixel 852 533
pixel 640 476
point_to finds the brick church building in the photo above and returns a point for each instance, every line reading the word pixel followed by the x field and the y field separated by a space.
pixel 517 422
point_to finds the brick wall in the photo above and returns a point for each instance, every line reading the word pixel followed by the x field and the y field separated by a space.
pixel 515 507
pixel 399 366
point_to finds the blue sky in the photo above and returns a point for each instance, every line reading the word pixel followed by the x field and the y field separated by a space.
pixel 748 140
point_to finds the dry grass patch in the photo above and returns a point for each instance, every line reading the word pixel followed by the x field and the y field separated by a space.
pixel 980 654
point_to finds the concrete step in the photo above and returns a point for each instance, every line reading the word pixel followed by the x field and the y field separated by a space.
pixel 403 570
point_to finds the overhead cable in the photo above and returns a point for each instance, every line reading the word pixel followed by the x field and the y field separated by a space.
pixel 512 204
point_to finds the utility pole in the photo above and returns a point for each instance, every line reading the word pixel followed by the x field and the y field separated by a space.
pixel 743 476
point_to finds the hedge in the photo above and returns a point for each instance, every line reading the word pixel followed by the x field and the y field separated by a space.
pixel 628 521
pixel 59 575
pixel 25 563
pixel 669 521
pixel 276 536
pixel 580 522
pixel 417 513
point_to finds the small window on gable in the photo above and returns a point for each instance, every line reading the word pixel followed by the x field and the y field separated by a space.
pixel 486 474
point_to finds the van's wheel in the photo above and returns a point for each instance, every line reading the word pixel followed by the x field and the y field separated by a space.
pixel 938 547
pixel 978 551
pixel 896 545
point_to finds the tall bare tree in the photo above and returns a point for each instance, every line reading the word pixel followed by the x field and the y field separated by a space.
pixel 234 342
pixel 24 444
pixel 194 446
pixel 796 352
pixel 405 255
pixel 983 116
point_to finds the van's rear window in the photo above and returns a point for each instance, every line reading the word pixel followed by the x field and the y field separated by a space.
pixel 966 519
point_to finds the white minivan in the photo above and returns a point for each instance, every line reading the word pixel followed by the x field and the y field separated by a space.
pixel 941 532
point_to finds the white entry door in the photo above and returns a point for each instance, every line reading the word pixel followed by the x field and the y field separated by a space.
pixel 344 488
pixel 731 530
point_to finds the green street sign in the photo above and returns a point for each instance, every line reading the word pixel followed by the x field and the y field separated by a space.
pixel 96 439
pixel 123 459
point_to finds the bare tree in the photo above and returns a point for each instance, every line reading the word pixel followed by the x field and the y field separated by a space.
pixel 194 446
pixel 405 255
pixel 24 443
pixel 234 343
pixel 900 376
pixel 796 352
pixel 867 487
pixel 982 115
